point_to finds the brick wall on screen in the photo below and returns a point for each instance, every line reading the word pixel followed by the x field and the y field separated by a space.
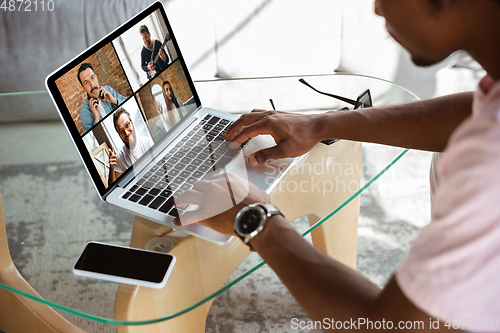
pixel 175 75
pixel 147 102
pixel 109 73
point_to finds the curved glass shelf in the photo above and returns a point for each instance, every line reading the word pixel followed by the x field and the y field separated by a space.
pixel 236 96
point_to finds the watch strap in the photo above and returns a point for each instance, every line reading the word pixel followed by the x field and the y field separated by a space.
pixel 271 210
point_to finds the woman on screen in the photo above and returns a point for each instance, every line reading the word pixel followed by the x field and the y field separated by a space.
pixel 175 108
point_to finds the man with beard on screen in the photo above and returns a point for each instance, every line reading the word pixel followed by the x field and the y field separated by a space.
pixel 101 100
pixel 134 145
pixel 151 51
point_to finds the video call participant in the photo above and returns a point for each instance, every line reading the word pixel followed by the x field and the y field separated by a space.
pixel 100 100
pixel 134 146
pixel 175 108
pixel 149 52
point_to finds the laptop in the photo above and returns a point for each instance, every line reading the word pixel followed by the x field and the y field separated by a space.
pixel 135 118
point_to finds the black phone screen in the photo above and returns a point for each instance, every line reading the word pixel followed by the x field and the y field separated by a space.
pixel 124 262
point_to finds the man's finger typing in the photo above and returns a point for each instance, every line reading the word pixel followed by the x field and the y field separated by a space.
pixel 294 134
pixel 245 120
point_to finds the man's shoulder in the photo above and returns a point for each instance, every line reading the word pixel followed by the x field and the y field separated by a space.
pixel 478 136
pixel 473 152
pixel 122 151
pixel 145 141
pixel 144 54
pixel 85 105
pixel 144 138
pixel 113 92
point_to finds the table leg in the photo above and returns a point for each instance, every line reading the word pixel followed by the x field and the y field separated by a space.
pixel 323 181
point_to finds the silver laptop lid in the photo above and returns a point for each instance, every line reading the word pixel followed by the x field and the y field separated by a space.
pixel 124 82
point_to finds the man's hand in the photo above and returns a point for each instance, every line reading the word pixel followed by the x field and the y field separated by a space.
pixel 295 134
pixel 163 56
pixel 94 107
pixel 209 195
pixel 107 97
pixel 151 66
pixel 113 159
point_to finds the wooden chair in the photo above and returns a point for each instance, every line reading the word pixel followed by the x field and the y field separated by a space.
pixel 19 314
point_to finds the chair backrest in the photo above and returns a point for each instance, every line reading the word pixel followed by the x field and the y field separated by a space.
pixel 17 313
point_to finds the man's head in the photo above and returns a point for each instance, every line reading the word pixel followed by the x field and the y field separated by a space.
pixel 125 127
pixel 146 36
pixel 430 30
pixel 88 80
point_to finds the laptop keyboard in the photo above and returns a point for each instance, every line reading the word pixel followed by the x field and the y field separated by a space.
pixel 201 151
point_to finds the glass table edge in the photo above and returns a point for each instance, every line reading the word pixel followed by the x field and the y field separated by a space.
pixel 115 322
pixel 110 321
pixel 249 79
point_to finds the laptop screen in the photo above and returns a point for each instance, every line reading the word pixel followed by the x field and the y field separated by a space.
pixel 124 94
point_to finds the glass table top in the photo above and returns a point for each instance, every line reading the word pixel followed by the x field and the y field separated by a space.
pixel 77 216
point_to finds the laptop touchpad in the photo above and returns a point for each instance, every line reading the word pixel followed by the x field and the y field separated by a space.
pixel 262 175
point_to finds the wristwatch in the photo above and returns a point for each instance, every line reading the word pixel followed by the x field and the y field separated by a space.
pixel 252 219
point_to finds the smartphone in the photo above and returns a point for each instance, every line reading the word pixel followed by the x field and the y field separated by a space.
pixel 124 265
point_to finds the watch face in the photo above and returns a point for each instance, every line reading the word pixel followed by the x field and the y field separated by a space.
pixel 249 221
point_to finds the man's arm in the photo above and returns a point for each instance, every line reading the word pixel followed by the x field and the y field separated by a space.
pixel 144 59
pixel 163 58
pixel 113 159
pixel 425 125
pixel 87 118
pixel 324 287
pixel 114 97
pixel 328 289
pixel 113 175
